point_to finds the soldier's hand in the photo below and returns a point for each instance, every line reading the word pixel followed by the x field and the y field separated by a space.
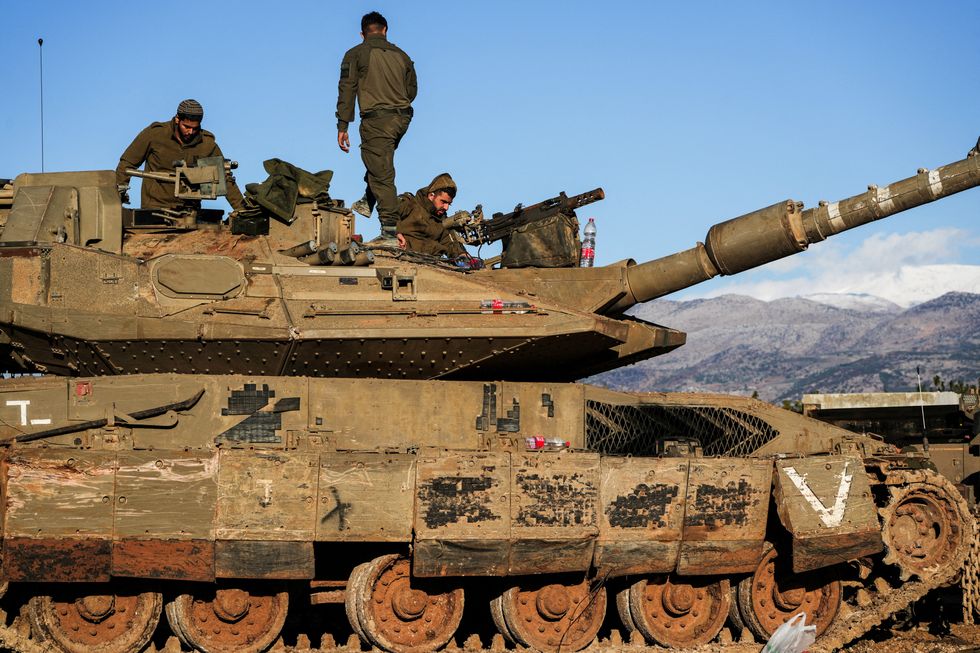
pixel 343 140
pixel 402 243
pixel 123 193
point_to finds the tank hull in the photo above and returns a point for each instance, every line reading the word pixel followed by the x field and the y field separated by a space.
pixel 198 489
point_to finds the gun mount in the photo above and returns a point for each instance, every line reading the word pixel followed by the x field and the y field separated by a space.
pixel 302 297
pixel 204 180
pixel 478 231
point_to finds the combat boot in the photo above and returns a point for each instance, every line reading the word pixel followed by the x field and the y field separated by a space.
pixel 388 237
pixel 362 207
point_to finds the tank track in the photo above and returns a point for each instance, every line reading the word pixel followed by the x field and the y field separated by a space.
pixel 851 624
pixel 870 601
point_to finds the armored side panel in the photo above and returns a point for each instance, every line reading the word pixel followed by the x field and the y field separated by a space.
pixel 826 505
pixel 642 514
pixel 725 515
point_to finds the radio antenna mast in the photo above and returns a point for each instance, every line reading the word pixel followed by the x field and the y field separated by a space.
pixel 40 56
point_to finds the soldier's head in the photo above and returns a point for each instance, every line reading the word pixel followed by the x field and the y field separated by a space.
pixel 441 192
pixel 372 24
pixel 187 122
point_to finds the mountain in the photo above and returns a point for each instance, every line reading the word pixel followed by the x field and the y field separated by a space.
pixel 787 347
pixel 855 301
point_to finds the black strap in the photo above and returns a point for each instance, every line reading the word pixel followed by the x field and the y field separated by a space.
pixel 374 113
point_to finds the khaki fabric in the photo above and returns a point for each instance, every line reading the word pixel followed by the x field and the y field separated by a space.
pixel 443 182
pixel 380 137
pixel 379 75
pixel 422 229
pixel 286 184
pixel 158 147
pixel 549 243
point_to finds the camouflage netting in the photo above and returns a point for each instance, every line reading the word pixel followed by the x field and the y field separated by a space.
pixel 635 429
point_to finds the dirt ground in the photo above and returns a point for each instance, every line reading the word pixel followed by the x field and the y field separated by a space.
pixel 960 639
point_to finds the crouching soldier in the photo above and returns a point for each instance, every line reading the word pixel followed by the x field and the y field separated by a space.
pixel 420 218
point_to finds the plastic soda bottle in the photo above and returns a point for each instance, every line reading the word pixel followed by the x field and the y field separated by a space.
pixel 588 245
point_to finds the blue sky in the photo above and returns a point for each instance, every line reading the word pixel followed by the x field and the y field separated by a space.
pixel 687 114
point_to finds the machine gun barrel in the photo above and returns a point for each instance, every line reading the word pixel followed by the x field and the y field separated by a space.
pixel 786 228
pixel 502 225
pixel 159 176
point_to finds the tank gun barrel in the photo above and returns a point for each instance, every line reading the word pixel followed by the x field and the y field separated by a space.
pixel 787 228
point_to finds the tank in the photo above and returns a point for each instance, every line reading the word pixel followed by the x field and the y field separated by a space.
pixel 217 459
pixel 168 293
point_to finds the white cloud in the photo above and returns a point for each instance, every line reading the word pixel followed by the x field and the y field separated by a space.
pixel 898 267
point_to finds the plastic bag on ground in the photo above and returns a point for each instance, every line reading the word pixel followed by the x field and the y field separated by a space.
pixel 794 636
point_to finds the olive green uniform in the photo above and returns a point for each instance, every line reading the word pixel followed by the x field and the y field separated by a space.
pixel 421 227
pixel 382 79
pixel 159 147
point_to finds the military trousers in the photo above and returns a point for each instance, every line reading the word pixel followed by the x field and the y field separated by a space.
pixel 380 137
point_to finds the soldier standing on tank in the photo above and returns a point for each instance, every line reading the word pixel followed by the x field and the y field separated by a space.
pixel 420 219
pixel 382 79
pixel 163 143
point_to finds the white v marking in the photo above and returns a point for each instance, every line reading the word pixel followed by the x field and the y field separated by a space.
pixel 830 517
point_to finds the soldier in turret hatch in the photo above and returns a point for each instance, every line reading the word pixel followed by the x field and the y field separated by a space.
pixel 163 143
pixel 420 219
pixel 382 79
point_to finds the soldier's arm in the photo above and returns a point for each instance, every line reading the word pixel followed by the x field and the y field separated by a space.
pixel 411 81
pixel 232 192
pixel 346 91
pixel 133 157
pixel 452 246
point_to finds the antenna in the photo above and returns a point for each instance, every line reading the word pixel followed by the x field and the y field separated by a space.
pixel 922 407
pixel 40 56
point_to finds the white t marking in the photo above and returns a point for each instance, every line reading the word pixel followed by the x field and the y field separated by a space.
pixel 24 403
pixel 831 517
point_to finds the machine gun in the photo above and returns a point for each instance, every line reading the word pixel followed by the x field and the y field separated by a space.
pixel 205 180
pixel 477 231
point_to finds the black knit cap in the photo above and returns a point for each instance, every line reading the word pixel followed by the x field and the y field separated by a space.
pixel 190 110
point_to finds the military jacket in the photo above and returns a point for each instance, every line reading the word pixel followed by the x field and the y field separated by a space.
pixel 422 229
pixel 158 146
pixel 379 74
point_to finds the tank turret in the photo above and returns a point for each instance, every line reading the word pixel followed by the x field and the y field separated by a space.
pixel 89 287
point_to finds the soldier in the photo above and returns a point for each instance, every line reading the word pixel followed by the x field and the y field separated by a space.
pixel 382 78
pixel 420 219
pixel 163 143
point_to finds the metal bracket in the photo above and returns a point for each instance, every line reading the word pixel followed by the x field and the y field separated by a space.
pixel 401 282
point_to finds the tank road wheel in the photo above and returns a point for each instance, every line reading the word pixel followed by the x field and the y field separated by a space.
pixel 774 593
pixel 623 609
pixel 103 623
pixel 497 614
pixel 400 614
pixel 351 602
pixel 927 526
pixel 228 620
pixel 679 614
pixel 554 616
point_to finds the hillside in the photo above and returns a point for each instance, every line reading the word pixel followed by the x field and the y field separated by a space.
pixel 787 347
